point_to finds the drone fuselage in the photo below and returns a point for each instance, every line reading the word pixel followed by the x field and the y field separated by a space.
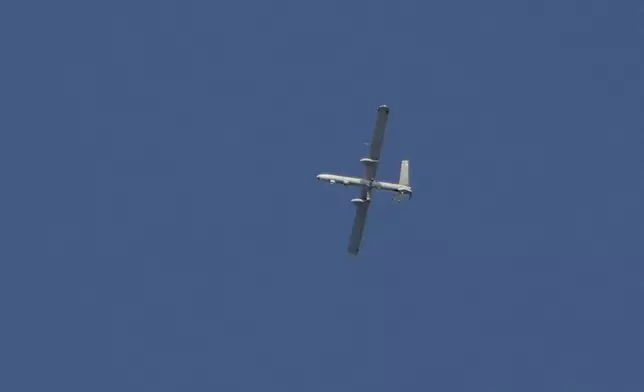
pixel 361 182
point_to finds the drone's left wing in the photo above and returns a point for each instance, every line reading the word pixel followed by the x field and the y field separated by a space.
pixel 376 142
pixel 358 227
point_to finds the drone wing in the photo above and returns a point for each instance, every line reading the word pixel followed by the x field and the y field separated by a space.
pixel 376 142
pixel 358 227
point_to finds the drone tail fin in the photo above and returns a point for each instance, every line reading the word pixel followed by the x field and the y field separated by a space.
pixel 404 173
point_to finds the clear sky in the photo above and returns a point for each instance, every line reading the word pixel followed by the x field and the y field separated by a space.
pixel 162 228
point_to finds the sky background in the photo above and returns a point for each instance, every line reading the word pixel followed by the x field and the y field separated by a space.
pixel 163 230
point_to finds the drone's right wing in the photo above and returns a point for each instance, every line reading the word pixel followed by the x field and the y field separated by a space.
pixel 376 142
pixel 358 227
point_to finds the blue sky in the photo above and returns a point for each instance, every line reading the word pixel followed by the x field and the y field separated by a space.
pixel 163 230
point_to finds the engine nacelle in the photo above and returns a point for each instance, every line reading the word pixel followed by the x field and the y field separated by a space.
pixel 357 201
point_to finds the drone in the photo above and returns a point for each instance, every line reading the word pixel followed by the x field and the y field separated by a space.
pixel 368 183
